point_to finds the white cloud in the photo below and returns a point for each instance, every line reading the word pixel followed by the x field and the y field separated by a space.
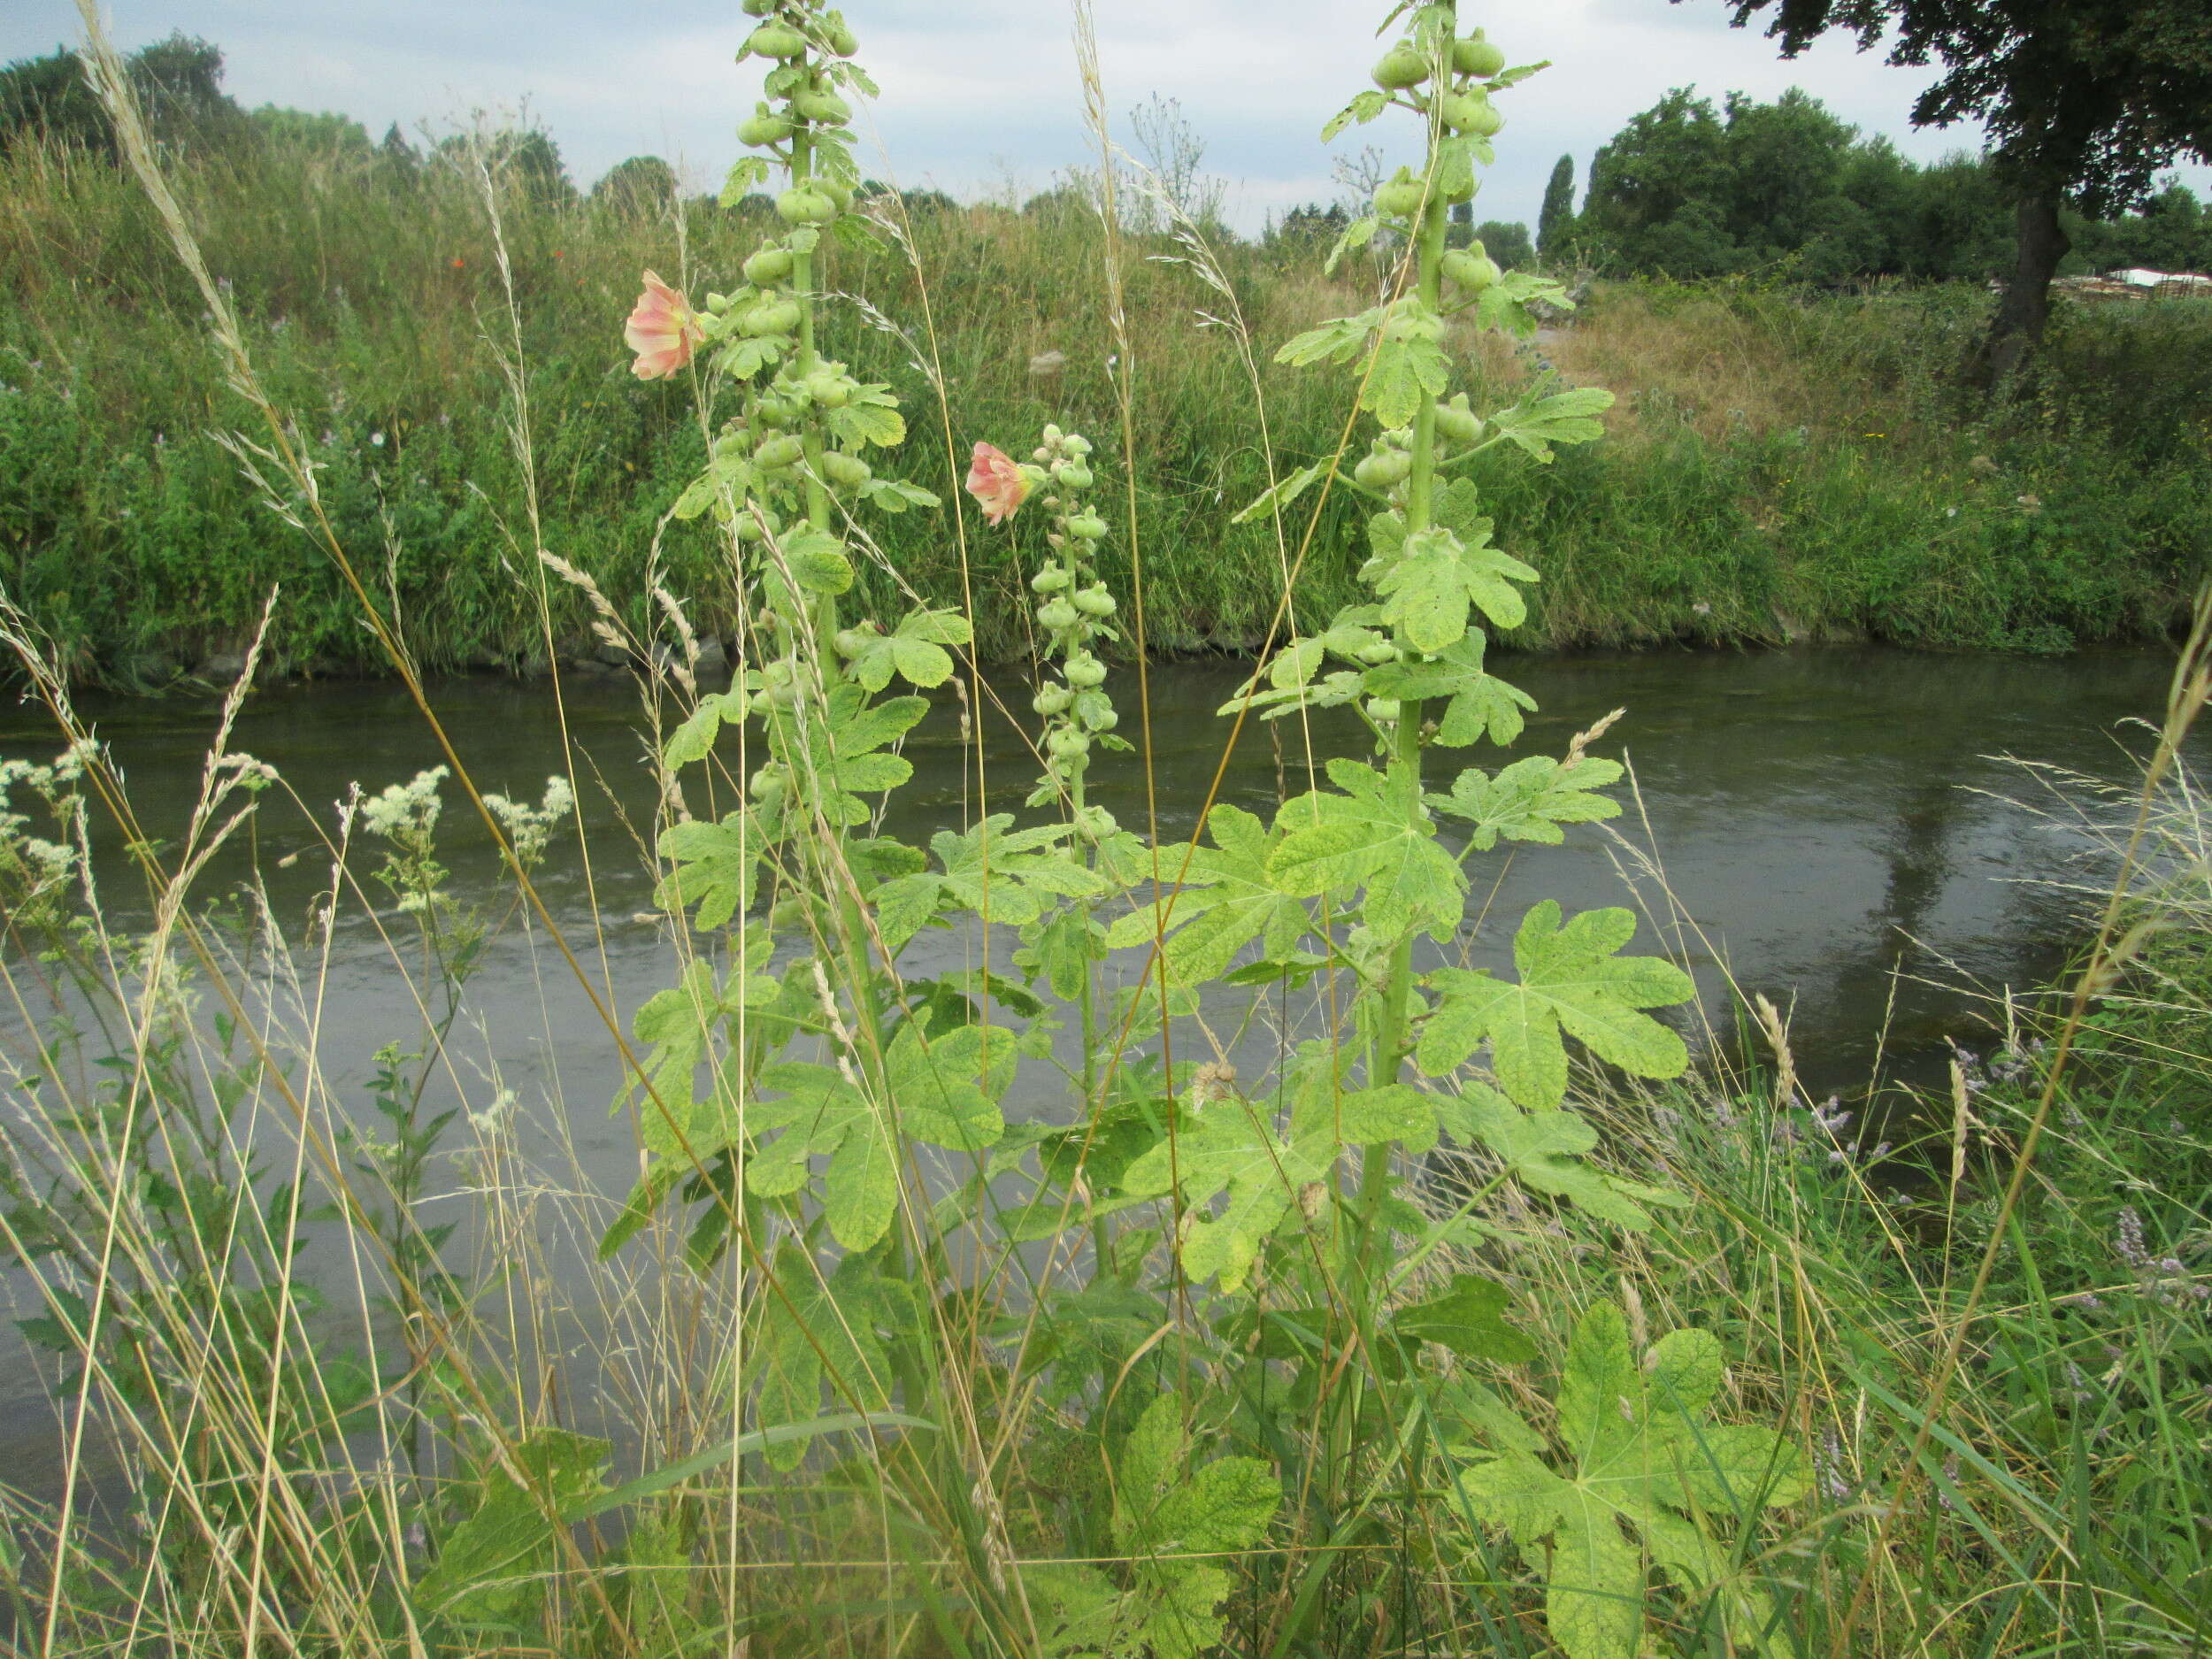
pixel 981 94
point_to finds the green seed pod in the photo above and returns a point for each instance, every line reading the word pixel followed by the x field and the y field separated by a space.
pixel 838 37
pixel 1454 421
pixel 776 673
pixel 1094 824
pixel 768 267
pixel 772 40
pixel 1095 602
pixel 847 472
pixel 1476 55
pixel 1085 671
pixel 822 106
pixel 831 391
pixel 840 195
pixel 1382 468
pixel 1071 475
pixel 1088 525
pixel 1382 709
pixel 1052 700
pixel 804 205
pixel 1400 68
pixel 1067 743
pixel 1463 268
pixel 1401 197
pixel 1050 579
pixel 778 453
pixel 1056 615
pixel 761 130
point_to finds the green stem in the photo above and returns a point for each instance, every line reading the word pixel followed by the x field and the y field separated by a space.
pixel 1388 1055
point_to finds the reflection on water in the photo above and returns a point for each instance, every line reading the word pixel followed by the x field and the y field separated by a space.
pixel 1822 818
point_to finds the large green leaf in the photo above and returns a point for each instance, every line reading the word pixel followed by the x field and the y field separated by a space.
pixel 1545 1151
pixel 1570 979
pixel 816 1330
pixel 1638 1465
pixel 496 1566
pixel 1437 575
pixel 1377 835
pixel 1543 417
pixel 1003 875
pixel 1529 800
pixel 1227 900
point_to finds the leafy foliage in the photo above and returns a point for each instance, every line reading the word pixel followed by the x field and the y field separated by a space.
pixel 1637 1466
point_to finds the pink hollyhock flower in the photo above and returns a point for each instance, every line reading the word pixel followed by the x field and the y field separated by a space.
pixel 663 330
pixel 997 484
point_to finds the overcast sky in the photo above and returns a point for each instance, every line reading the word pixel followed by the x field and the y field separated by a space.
pixel 981 96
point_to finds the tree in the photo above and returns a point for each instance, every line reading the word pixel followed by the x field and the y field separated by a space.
pixel 639 186
pixel 2084 102
pixel 1507 243
pixel 1556 219
pixel 320 132
pixel 1658 189
pixel 178 82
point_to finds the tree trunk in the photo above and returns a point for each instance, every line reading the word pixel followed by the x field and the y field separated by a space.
pixel 2026 306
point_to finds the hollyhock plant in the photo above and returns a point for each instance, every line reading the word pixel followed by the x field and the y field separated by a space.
pixel 663 330
pixel 997 483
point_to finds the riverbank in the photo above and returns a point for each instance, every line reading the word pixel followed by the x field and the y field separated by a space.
pixel 1781 467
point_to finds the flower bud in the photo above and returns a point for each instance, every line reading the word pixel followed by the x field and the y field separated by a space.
pixel 1085 671
pixel 1378 653
pixel 761 8
pixel 841 40
pixel 831 391
pixel 1088 525
pixel 1466 269
pixel 1094 601
pixel 1056 615
pixel 778 453
pixel 773 40
pixel 779 317
pixel 804 205
pixel 1067 743
pixel 1476 55
pixel 1052 700
pixel 847 472
pixel 1401 197
pixel 1050 579
pixel 768 267
pixel 1094 824
pixel 1401 67
pixel 1077 445
pixel 1101 719
pixel 1382 710
pixel 1454 421
pixel 763 129
pixel 1071 475
pixel 787 912
pixel 822 106
pixel 1382 468
pixel 850 642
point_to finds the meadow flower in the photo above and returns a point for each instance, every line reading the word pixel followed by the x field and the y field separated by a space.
pixel 663 330
pixel 996 482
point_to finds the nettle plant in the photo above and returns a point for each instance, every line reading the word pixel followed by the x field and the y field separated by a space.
pixel 1059 1324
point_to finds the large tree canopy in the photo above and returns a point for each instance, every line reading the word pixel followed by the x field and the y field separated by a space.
pixel 2084 101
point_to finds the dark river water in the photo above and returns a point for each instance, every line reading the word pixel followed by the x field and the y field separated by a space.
pixel 1824 818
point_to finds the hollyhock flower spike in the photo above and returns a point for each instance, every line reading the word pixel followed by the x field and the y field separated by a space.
pixel 663 330
pixel 998 485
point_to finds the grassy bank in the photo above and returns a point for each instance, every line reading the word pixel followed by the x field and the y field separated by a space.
pixel 1782 466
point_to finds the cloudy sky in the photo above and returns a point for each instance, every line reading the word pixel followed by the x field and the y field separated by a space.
pixel 981 96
